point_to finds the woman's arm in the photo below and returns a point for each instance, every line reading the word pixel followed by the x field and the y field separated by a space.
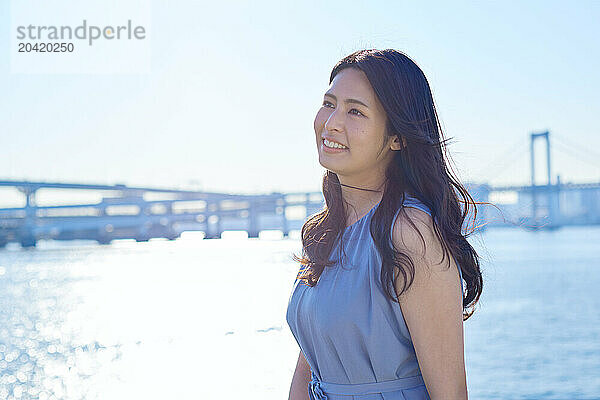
pixel 432 307
pixel 299 386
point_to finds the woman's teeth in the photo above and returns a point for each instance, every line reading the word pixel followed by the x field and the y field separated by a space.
pixel 333 144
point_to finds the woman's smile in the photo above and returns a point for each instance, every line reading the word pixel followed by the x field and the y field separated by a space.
pixel 328 147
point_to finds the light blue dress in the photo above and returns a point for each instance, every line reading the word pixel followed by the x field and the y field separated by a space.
pixel 355 339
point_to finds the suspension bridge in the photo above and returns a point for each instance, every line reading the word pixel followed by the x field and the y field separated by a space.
pixel 143 213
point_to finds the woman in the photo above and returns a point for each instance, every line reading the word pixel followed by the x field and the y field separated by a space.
pixel 376 311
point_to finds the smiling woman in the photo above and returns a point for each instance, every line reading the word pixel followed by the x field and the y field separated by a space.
pixel 375 310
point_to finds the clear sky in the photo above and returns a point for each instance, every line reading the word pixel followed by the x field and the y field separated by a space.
pixel 233 87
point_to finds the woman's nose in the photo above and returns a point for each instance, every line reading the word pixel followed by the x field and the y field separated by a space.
pixel 334 122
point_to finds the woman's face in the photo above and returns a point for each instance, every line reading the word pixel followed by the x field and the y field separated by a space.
pixel 352 116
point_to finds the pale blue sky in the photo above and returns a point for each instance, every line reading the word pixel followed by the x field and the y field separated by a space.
pixel 234 87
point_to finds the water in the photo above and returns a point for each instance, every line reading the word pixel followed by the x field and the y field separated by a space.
pixel 537 333
pixel 206 319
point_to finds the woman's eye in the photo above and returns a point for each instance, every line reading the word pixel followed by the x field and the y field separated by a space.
pixel 354 110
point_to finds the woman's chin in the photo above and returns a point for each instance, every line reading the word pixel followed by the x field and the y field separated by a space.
pixel 329 164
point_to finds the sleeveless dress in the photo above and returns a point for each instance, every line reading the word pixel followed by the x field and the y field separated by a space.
pixel 355 339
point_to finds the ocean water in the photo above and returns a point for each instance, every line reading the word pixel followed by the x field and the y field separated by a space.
pixel 195 318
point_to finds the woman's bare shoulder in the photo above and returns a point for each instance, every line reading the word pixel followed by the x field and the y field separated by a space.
pixel 414 232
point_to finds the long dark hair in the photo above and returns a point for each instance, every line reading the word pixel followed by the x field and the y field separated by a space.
pixel 418 169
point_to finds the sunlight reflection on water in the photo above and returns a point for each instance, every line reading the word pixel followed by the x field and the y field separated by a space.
pixel 130 320
pixel 197 318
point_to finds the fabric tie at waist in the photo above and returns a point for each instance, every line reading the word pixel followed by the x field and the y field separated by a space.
pixel 318 389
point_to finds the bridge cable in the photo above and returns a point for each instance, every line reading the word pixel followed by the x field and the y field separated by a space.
pixel 498 167
pixel 577 155
pixel 577 146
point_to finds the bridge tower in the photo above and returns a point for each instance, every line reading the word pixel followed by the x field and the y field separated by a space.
pixel 26 235
pixel 548 190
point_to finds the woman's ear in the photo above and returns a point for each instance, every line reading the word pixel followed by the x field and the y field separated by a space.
pixel 396 145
